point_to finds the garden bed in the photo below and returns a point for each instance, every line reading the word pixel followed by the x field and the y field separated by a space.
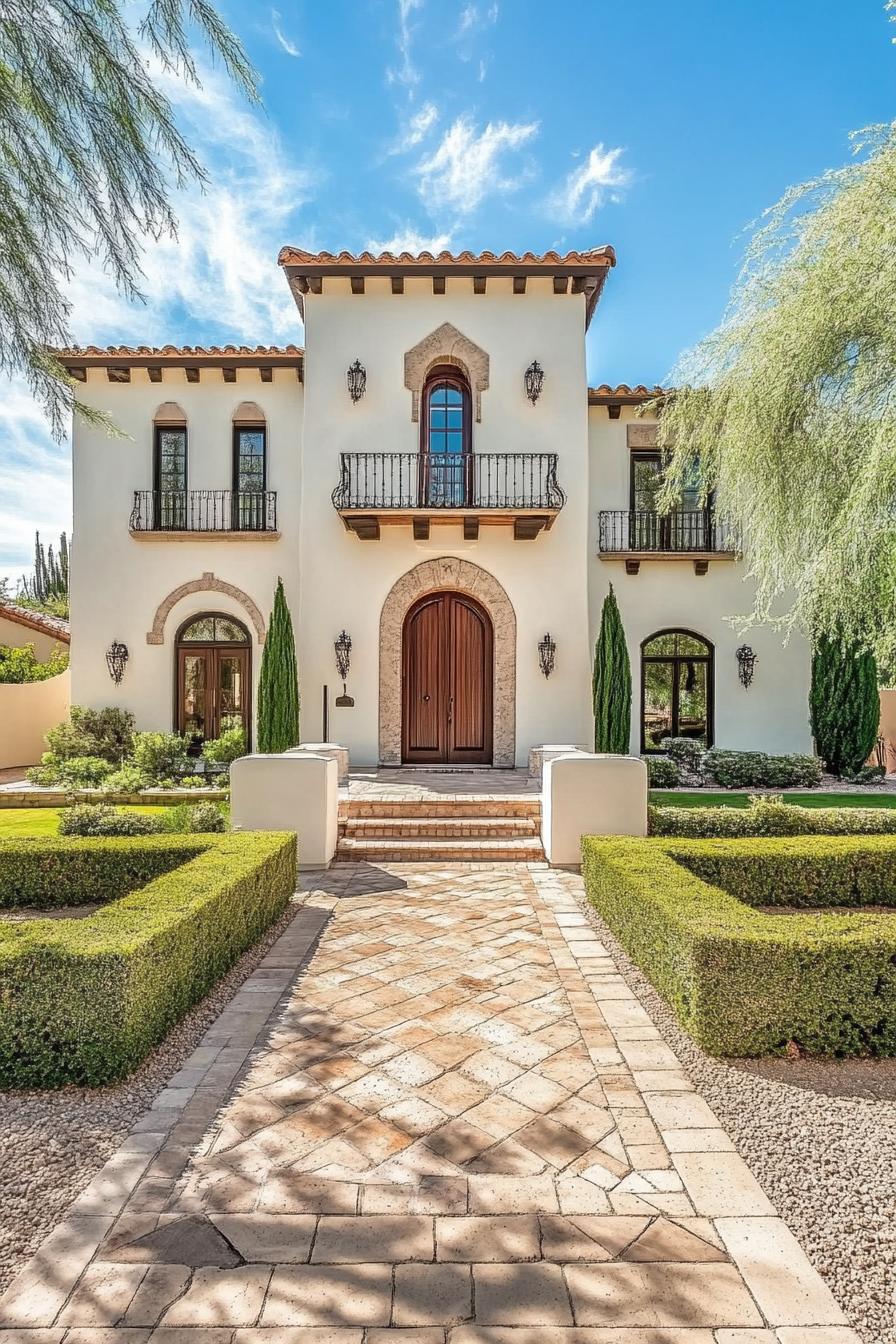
pixel 85 999
pixel 34 796
pixel 747 983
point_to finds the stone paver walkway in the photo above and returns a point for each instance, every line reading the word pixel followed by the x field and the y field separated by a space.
pixel 455 1125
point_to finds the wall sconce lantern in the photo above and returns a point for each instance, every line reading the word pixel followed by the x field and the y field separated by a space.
pixel 546 650
pixel 343 648
pixel 116 657
pixel 746 664
pixel 534 381
pixel 357 380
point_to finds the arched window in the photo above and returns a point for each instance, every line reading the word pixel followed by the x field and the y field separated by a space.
pixel 446 438
pixel 213 656
pixel 169 469
pixel 250 474
pixel 676 688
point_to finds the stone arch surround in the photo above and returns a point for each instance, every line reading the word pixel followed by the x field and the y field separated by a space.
pixel 207 584
pixel 448 572
pixel 446 345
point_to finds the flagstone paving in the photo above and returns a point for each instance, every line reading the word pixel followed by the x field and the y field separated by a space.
pixel 435 1114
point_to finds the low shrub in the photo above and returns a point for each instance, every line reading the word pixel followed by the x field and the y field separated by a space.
pixel 686 752
pixel 743 981
pixel 75 772
pixel 84 1000
pixel 195 819
pixel 128 778
pixel 159 755
pixel 100 819
pixel 108 733
pixel 227 748
pixel 18 666
pixel 869 774
pixel 756 769
pixel 46 872
pixel 662 773
pixel 769 815
pixel 193 782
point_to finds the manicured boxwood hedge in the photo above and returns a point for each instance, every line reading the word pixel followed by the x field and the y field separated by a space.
pixel 83 1000
pixel 46 872
pixel 746 982
pixel 769 817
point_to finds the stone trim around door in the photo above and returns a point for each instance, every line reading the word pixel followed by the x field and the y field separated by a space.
pixel 207 584
pixel 448 572
pixel 446 345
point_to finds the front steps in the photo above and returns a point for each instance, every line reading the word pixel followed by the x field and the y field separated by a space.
pixel 450 830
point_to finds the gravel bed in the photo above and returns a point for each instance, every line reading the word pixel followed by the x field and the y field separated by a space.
pixel 820 1136
pixel 52 1143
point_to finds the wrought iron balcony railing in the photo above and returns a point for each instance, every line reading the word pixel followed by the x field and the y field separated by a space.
pixel 688 532
pixel 511 481
pixel 204 511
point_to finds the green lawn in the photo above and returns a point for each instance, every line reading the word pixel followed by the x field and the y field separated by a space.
pixel 702 798
pixel 40 820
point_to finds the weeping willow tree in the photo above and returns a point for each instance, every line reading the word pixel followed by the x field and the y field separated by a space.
pixel 789 407
pixel 91 155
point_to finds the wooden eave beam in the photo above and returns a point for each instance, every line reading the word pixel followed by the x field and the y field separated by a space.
pixel 117 373
pixel 79 373
pixel 357 284
pixel 479 284
pixel 181 361
pixel 192 373
pixel 397 284
pixel 519 284
pixel 438 284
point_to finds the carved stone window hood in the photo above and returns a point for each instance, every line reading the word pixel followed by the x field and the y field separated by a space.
pixel 446 345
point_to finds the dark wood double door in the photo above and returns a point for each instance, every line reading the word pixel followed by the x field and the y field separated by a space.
pixel 447 656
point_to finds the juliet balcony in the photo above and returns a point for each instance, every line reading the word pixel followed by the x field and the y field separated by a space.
pixel 697 535
pixel 183 515
pixel 420 490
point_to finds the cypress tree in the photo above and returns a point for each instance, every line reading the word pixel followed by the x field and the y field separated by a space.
pixel 612 682
pixel 843 704
pixel 278 683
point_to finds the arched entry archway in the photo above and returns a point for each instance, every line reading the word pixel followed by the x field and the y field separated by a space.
pixel 448 573
pixel 447 668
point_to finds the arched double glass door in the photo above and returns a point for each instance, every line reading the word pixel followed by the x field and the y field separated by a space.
pixel 213 677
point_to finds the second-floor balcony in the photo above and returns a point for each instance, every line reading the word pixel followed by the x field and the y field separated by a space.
pixel 179 514
pixel 634 535
pixel 420 489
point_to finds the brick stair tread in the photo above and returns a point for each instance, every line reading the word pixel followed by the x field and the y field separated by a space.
pixel 406 848
pixel 449 807
pixel 431 826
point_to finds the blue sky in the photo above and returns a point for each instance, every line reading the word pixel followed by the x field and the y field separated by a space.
pixel 662 128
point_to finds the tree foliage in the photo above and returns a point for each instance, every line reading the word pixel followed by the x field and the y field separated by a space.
pixel 843 704
pixel 91 153
pixel 789 407
pixel 611 682
pixel 278 684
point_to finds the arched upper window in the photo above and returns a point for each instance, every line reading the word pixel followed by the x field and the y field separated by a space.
pixel 250 468
pixel 446 479
pixel 676 688
pixel 213 667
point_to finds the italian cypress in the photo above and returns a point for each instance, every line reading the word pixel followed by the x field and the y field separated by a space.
pixel 843 704
pixel 278 683
pixel 612 682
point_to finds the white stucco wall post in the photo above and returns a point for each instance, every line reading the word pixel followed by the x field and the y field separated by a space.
pixel 590 795
pixel 289 792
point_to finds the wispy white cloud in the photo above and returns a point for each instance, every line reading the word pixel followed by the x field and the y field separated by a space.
pixel 35 481
pixel 407 72
pixel 285 42
pixel 409 239
pixel 466 165
pixel 587 186
pixel 416 128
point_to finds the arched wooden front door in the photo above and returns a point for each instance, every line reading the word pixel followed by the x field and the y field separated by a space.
pixel 447 682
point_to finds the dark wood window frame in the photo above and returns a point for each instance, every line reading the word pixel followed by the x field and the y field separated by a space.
pixel 160 520
pixel 211 647
pixel 676 660
pixel 237 522
pixel 462 475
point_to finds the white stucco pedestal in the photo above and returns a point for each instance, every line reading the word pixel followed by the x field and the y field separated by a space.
pixel 330 749
pixel 590 795
pixel 294 791
pixel 539 755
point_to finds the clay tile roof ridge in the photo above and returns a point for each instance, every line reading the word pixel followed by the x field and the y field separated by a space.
pixel 36 620
pixel 296 256
pixel 623 390
pixel 179 351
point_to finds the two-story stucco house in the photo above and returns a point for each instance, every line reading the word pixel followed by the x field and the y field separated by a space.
pixel 431 476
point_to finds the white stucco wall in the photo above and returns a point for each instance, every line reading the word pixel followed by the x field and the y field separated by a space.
pixel 772 715
pixel 15 635
pixel 118 581
pixel 346 580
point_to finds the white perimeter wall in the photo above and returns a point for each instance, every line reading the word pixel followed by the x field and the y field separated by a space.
pixel 773 715
pixel 118 581
pixel 345 581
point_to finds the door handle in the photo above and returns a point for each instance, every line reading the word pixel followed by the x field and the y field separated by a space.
pixel 450 706
pixel 425 699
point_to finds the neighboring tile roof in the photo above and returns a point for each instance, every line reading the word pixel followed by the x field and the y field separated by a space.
pixel 178 353
pixel 623 395
pixel 35 620
pixel 601 256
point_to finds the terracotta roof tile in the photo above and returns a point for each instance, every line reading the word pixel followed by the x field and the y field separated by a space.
pixel 36 620
pixel 600 256
pixel 625 395
pixel 177 351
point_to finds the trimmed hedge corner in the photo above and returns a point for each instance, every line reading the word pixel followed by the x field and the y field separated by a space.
pixel 746 982
pixel 83 1000
pixel 768 816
